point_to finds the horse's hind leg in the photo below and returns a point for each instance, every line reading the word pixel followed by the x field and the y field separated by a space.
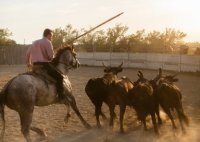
pixel 3 119
pixel 75 108
pixel 26 119
pixel 66 119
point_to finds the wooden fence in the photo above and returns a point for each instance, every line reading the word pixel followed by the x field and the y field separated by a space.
pixel 175 62
pixel 16 55
pixel 11 55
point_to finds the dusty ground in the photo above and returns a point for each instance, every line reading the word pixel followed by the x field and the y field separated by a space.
pixel 50 118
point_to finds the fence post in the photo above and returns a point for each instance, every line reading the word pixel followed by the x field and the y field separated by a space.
pixel 110 54
pixel 128 55
pixel 180 61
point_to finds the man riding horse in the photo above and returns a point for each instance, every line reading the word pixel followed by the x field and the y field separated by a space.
pixel 38 58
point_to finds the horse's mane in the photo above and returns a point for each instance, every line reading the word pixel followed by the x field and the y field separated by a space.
pixel 55 60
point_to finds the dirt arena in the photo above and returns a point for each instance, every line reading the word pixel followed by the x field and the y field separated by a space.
pixel 50 118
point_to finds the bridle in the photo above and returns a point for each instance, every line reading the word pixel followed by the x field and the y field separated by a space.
pixel 67 66
pixel 71 64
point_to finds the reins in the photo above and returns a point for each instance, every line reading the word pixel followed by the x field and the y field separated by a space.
pixel 67 65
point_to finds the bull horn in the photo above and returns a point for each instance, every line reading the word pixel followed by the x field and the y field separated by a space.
pixel 120 65
pixel 104 65
pixel 140 74
pixel 159 75
pixel 175 75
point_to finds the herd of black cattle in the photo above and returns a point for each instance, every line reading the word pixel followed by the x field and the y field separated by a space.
pixel 144 95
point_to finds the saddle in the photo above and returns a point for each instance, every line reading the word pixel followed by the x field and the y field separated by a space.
pixel 48 73
pixel 40 72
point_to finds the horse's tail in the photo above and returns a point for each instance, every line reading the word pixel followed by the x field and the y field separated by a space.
pixel 3 94
pixel 2 104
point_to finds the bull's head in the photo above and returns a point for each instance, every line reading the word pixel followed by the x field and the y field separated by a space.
pixel 169 78
pixel 113 70
pixel 141 78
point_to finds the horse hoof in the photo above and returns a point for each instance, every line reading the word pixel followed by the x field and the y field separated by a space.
pixel 104 117
pixel 99 126
pixel 39 131
pixel 66 119
pixel 45 135
pixel 184 132
pixel 43 138
pixel 160 122
pixel 122 132
pixel 88 126
pixel 157 134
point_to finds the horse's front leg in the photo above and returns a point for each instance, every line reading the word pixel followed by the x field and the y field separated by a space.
pixel 67 116
pixel 72 102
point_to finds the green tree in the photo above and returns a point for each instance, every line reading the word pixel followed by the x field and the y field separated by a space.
pixel 137 41
pixel 5 38
pixel 86 43
pixel 64 36
pixel 164 42
pixel 116 36
pixel 171 37
pixel 115 39
pixel 100 41
pixel 155 41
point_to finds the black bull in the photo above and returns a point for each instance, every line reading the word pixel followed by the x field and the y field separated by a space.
pixel 110 90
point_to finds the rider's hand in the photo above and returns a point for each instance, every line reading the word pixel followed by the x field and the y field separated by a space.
pixel 29 65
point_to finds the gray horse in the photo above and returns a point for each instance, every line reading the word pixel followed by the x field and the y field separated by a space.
pixel 25 91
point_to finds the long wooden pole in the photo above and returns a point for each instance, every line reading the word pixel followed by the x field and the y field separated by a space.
pixel 98 25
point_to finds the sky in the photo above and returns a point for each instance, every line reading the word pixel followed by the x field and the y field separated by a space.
pixel 27 19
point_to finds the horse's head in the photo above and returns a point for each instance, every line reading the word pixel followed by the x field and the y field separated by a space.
pixel 66 57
